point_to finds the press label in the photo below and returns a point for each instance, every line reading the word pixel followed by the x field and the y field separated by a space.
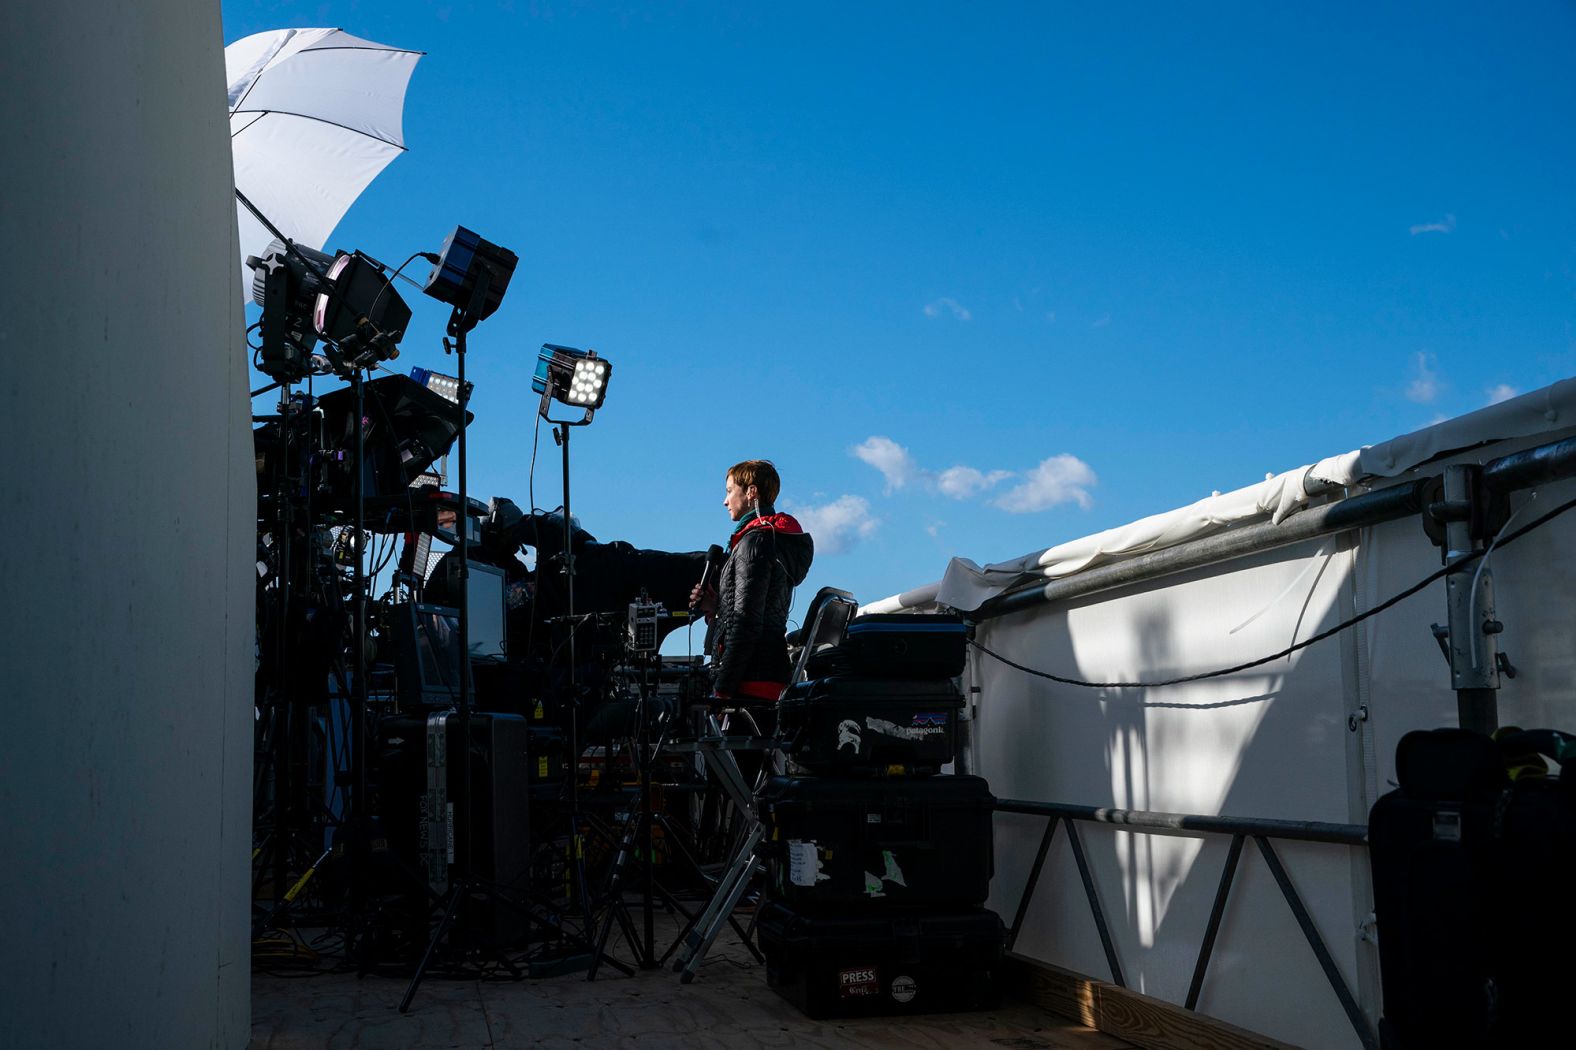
pixel 856 984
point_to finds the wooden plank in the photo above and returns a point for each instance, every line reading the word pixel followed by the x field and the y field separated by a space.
pixel 1142 1020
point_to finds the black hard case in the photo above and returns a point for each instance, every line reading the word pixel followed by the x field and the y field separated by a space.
pixel 850 966
pixel 870 727
pixel 878 844
pixel 1471 892
pixel 498 825
pixel 898 645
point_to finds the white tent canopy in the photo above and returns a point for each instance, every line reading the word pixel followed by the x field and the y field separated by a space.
pixel 967 585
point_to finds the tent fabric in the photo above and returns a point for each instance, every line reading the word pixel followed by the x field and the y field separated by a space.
pixel 1537 412
pixel 966 585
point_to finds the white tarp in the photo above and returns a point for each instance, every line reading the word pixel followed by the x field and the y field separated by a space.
pixel 966 585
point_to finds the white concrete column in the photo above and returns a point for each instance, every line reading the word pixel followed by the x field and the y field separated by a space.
pixel 126 538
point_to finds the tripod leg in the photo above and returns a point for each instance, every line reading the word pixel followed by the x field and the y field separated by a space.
pixel 455 897
pixel 615 904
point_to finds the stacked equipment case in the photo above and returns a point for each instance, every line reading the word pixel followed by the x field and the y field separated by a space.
pixel 877 866
pixel 1472 871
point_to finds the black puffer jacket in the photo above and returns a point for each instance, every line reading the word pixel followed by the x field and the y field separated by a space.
pixel 770 557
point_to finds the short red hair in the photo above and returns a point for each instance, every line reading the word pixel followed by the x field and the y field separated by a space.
pixel 761 474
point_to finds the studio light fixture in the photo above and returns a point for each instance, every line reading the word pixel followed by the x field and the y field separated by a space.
pixel 577 378
pixel 360 303
pixel 444 386
pixel 307 295
pixel 470 274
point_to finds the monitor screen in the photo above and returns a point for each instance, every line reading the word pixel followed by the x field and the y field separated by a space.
pixel 427 643
pixel 486 605
pixel 438 648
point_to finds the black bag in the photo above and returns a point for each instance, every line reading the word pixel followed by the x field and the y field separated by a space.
pixel 869 727
pixel 1471 875
pixel 878 844
pixel 897 645
pixel 848 966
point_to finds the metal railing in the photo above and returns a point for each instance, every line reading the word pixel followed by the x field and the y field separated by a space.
pixel 1240 829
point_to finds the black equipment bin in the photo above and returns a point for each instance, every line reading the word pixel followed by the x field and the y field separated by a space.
pixel 851 966
pixel 898 645
pixel 862 727
pixel 878 844
pixel 1471 874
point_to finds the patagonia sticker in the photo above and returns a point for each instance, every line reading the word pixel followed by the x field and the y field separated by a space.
pixel 897 732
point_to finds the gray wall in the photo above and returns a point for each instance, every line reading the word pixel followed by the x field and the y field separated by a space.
pixel 125 759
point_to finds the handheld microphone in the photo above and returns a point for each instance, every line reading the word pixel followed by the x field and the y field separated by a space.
pixel 715 556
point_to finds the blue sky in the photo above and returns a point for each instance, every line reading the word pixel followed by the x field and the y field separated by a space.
pixel 979 278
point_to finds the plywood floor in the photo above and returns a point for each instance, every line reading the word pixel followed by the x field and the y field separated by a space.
pixel 728 1005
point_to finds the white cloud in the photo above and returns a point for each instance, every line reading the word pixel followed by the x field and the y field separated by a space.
pixel 837 526
pixel 890 458
pixel 1100 322
pixel 946 302
pixel 934 529
pixel 898 467
pixel 962 482
pixel 1502 392
pixel 1060 479
pixel 1445 225
pixel 1424 387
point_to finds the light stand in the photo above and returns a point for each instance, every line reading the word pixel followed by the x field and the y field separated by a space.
pixel 461 321
pixel 346 301
pixel 471 276
pixel 278 725
pixel 579 379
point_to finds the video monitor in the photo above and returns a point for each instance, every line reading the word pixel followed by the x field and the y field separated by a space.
pixel 487 587
pixel 427 655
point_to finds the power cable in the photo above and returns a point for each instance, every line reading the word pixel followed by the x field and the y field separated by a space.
pixel 530 488
pixel 1432 577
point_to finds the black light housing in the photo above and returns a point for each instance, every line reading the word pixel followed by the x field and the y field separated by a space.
pixel 577 378
pixel 360 302
pixel 307 295
pixel 284 283
pixel 457 275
